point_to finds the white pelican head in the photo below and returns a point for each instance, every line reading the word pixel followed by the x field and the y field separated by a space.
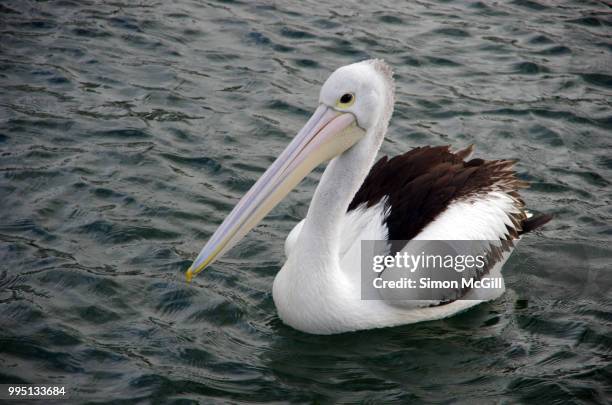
pixel 355 104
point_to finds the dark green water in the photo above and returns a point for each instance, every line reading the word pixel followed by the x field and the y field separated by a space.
pixel 129 129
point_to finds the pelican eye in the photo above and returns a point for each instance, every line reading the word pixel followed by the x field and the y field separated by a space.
pixel 346 100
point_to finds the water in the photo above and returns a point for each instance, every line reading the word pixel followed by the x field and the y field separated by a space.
pixel 129 129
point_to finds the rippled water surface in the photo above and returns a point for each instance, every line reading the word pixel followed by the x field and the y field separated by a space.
pixel 128 129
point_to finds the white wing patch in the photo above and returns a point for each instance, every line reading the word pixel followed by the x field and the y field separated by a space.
pixel 480 218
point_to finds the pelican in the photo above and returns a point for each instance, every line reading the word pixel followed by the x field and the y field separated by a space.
pixel 428 193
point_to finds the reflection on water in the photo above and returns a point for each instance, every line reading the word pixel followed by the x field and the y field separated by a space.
pixel 129 129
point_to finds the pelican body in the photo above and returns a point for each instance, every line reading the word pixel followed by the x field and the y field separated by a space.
pixel 428 193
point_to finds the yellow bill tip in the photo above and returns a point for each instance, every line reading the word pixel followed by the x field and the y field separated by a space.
pixel 189 275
